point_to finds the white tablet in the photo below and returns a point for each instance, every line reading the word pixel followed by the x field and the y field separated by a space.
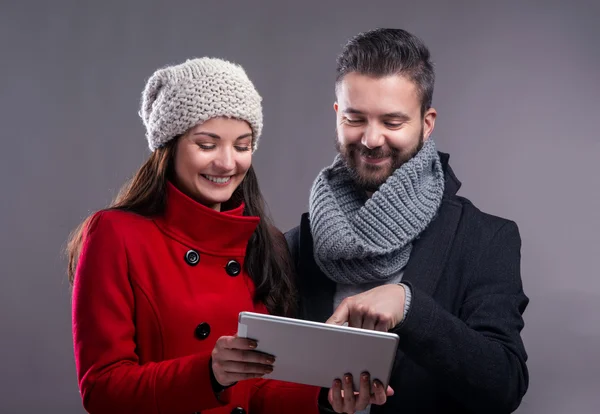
pixel 316 353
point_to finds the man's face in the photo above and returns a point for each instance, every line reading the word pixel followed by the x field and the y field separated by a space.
pixel 379 126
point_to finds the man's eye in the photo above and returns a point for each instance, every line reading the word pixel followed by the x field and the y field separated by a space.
pixel 354 121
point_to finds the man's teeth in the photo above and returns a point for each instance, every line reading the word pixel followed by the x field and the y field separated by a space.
pixel 218 180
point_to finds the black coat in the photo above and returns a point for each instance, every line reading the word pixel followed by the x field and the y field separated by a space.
pixel 460 347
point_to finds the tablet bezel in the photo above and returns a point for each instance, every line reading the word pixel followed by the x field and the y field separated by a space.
pixel 318 326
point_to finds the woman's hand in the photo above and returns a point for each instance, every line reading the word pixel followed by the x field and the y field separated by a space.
pixel 344 399
pixel 234 359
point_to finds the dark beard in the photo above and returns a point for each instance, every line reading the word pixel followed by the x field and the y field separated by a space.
pixel 371 177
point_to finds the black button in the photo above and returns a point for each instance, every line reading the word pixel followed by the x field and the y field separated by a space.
pixel 233 268
pixel 238 410
pixel 202 331
pixel 192 257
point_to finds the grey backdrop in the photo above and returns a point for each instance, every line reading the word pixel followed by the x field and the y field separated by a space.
pixel 517 96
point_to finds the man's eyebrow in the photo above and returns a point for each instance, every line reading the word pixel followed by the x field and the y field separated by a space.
pixel 353 111
pixel 398 114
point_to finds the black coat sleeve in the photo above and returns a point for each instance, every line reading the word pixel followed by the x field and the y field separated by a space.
pixel 477 357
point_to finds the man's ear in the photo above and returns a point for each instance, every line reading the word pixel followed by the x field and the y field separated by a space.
pixel 429 123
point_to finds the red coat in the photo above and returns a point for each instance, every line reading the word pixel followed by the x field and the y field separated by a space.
pixel 147 314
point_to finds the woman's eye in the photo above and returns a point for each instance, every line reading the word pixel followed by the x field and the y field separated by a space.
pixel 243 148
pixel 206 146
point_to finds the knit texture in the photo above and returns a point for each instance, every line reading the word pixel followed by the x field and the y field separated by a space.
pixel 359 239
pixel 177 98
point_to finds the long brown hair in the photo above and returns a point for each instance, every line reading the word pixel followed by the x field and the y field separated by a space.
pixel 267 259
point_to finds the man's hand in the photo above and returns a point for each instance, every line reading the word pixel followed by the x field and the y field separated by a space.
pixel 379 309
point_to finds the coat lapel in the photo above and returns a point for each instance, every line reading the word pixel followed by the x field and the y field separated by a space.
pixel 431 249
pixel 430 254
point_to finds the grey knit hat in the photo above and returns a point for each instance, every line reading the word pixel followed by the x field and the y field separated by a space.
pixel 177 98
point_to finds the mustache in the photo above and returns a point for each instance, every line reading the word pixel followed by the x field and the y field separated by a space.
pixel 372 153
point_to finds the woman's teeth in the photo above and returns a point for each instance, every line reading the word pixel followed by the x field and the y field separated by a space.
pixel 218 180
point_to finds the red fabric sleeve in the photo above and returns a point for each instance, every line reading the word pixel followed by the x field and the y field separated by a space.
pixel 111 379
pixel 279 397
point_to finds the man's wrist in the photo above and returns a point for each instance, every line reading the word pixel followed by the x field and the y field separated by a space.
pixel 407 300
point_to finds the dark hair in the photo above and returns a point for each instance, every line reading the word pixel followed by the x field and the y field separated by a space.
pixel 385 52
pixel 267 258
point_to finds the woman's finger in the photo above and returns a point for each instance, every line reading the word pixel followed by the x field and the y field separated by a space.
pixel 233 359
pixel 335 397
pixel 348 394
pixel 379 393
pixel 364 394
pixel 235 367
pixel 237 355
pixel 235 342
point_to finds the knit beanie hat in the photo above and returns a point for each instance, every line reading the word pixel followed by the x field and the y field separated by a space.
pixel 177 98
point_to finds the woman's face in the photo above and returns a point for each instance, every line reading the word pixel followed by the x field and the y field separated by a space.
pixel 212 159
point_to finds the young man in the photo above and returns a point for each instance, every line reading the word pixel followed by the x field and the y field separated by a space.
pixel 388 244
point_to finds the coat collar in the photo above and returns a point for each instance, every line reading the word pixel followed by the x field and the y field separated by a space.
pixel 452 184
pixel 205 229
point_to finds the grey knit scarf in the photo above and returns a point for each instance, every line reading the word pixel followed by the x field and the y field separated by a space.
pixel 359 239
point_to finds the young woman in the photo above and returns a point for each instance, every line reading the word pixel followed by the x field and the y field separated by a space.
pixel 160 276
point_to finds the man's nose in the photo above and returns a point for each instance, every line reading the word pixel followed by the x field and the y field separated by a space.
pixel 373 137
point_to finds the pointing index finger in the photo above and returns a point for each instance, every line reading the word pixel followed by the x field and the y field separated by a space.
pixel 340 316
